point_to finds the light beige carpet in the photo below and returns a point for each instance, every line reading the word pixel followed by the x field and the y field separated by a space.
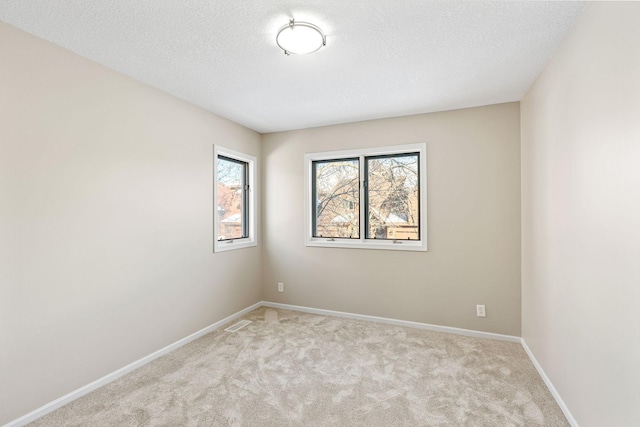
pixel 295 369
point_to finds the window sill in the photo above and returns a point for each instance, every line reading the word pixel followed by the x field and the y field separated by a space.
pixel 388 245
pixel 230 245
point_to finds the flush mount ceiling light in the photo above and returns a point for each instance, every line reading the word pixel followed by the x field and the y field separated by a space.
pixel 300 38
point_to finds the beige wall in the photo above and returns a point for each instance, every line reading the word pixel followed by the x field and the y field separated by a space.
pixel 581 217
pixel 473 191
pixel 105 222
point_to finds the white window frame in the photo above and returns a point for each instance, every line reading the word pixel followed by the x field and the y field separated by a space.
pixel 362 242
pixel 229 245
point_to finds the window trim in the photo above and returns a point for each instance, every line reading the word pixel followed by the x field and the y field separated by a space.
pixel 363 242
pixel 250 203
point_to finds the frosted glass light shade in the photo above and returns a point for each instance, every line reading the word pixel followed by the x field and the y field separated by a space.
pixel 300 38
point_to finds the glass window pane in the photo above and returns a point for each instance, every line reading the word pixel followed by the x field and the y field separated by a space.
pixel 232 201
pixel 393 197
pixel 336 196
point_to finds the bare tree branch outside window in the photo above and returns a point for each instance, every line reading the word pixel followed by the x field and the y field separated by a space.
pixel 337 199
pixel 392 197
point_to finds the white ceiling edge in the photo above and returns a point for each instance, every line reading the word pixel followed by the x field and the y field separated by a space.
pixel 382 59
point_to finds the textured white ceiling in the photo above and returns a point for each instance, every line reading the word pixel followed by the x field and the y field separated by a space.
pixel 383 58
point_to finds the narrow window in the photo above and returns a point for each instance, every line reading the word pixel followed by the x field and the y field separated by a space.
pixel 234 200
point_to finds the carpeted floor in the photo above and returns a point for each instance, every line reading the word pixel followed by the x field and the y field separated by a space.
pixel 296 369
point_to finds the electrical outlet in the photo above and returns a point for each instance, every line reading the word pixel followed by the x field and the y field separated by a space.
pixel 280 287
pixel 480 311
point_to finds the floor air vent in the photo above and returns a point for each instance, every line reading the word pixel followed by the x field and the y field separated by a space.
pixel 235 328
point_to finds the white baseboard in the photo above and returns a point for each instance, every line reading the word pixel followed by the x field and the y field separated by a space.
pixel 552 389
pixel 396 322
pixel 52 406
pixel 446 329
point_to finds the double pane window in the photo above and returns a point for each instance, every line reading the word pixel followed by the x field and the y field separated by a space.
pixel 375 198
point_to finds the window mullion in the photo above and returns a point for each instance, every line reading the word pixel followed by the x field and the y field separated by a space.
pixel 364 210
pixel 314 204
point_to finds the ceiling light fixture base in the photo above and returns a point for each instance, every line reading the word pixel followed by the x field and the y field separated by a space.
pixel 300 38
